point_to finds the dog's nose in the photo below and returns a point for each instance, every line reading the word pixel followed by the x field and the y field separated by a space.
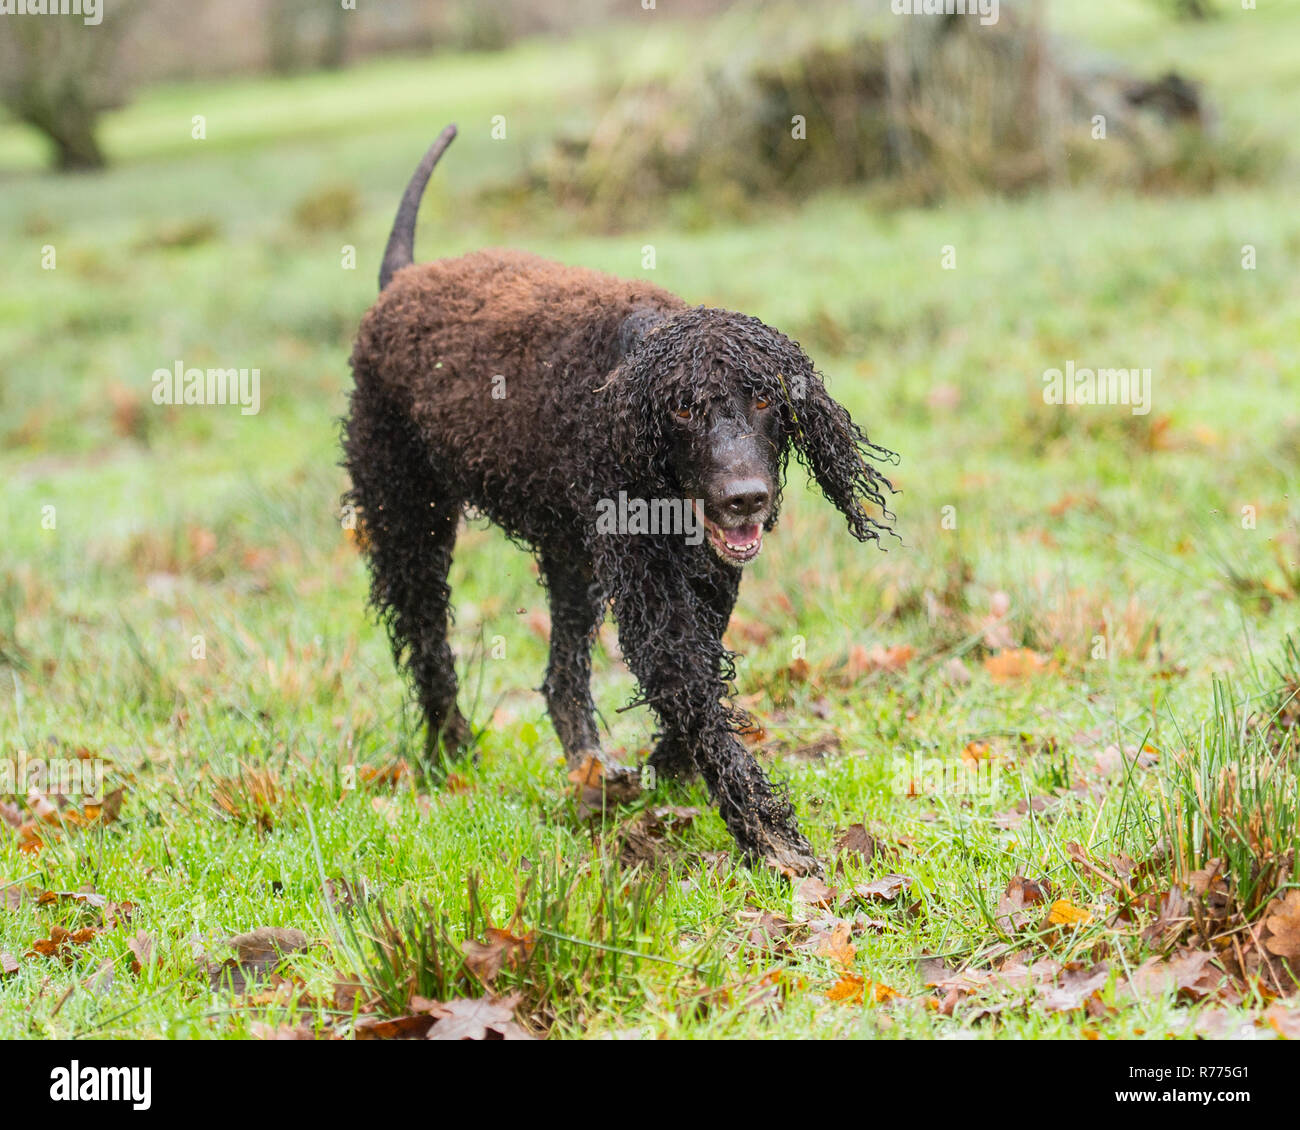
pixel 745 497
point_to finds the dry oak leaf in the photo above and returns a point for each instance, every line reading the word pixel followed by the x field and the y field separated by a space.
pixel 61 941
pixel 477 1018
pixel 1076 990
pixel 852 989
pixel 1013 664
pixel 836 945
pixel 1187 973
pixel 1282 921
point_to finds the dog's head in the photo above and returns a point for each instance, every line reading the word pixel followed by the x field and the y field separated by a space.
pixel 710 404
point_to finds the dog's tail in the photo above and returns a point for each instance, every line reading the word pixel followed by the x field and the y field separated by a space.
pixel 401 242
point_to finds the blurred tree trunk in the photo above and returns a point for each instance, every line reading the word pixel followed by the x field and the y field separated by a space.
pixel 58 75
pixel 334 50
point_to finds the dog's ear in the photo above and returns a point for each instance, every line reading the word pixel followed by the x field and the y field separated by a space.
pixel 837 454
pixel 633 328
pixel 640 438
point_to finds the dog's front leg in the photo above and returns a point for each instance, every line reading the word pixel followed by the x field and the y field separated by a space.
pixel 672 642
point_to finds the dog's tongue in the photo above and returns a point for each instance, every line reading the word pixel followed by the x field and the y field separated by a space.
pixel 743 535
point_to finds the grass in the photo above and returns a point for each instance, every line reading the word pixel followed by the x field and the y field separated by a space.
pixel 191 610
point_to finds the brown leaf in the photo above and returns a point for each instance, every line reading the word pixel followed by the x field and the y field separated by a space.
pixel 814 892
pixel 7 964
pixel 142 949
pixel 256 953
pixel 1284 1021
pixel 863 662
pixel 1075 991
pixel 1010 914
pixel 770 933
pixel 837 947
pixel 1187 973
pixel 1017 663
pixel 502 948
pixel 61 942
pixel 855 840
pixel 1282 921
pixel 478 1018
pixel 414 1027
pixel 887 888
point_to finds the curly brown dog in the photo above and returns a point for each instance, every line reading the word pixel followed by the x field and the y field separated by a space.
pixel 635 444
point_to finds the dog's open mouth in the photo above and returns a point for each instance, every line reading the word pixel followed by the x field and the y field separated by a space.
pixel 737 545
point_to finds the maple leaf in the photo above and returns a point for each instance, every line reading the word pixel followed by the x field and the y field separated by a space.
pixel 477 1018
pixel 1282 920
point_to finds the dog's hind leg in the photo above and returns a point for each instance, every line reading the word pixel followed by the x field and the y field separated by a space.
pixel 408 520
pixel 576 614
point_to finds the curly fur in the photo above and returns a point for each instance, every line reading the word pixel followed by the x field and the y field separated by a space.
pixel 593 367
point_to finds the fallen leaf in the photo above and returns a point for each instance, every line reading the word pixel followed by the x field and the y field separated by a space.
pixel 887 888
pixel 397 1028
pixel 1010 914
pixel 477 1018
pixel 1282 921
pixel 142 950
pixel 1065 913
pixel 502 948
pixel 1013 664
pixel 813 891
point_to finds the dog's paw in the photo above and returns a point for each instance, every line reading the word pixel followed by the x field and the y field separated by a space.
pixel 787 853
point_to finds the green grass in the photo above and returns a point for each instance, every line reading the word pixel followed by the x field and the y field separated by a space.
pixel 176 524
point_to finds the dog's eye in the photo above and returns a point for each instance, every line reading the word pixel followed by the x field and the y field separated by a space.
pixel 683 413
pixel 760 404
